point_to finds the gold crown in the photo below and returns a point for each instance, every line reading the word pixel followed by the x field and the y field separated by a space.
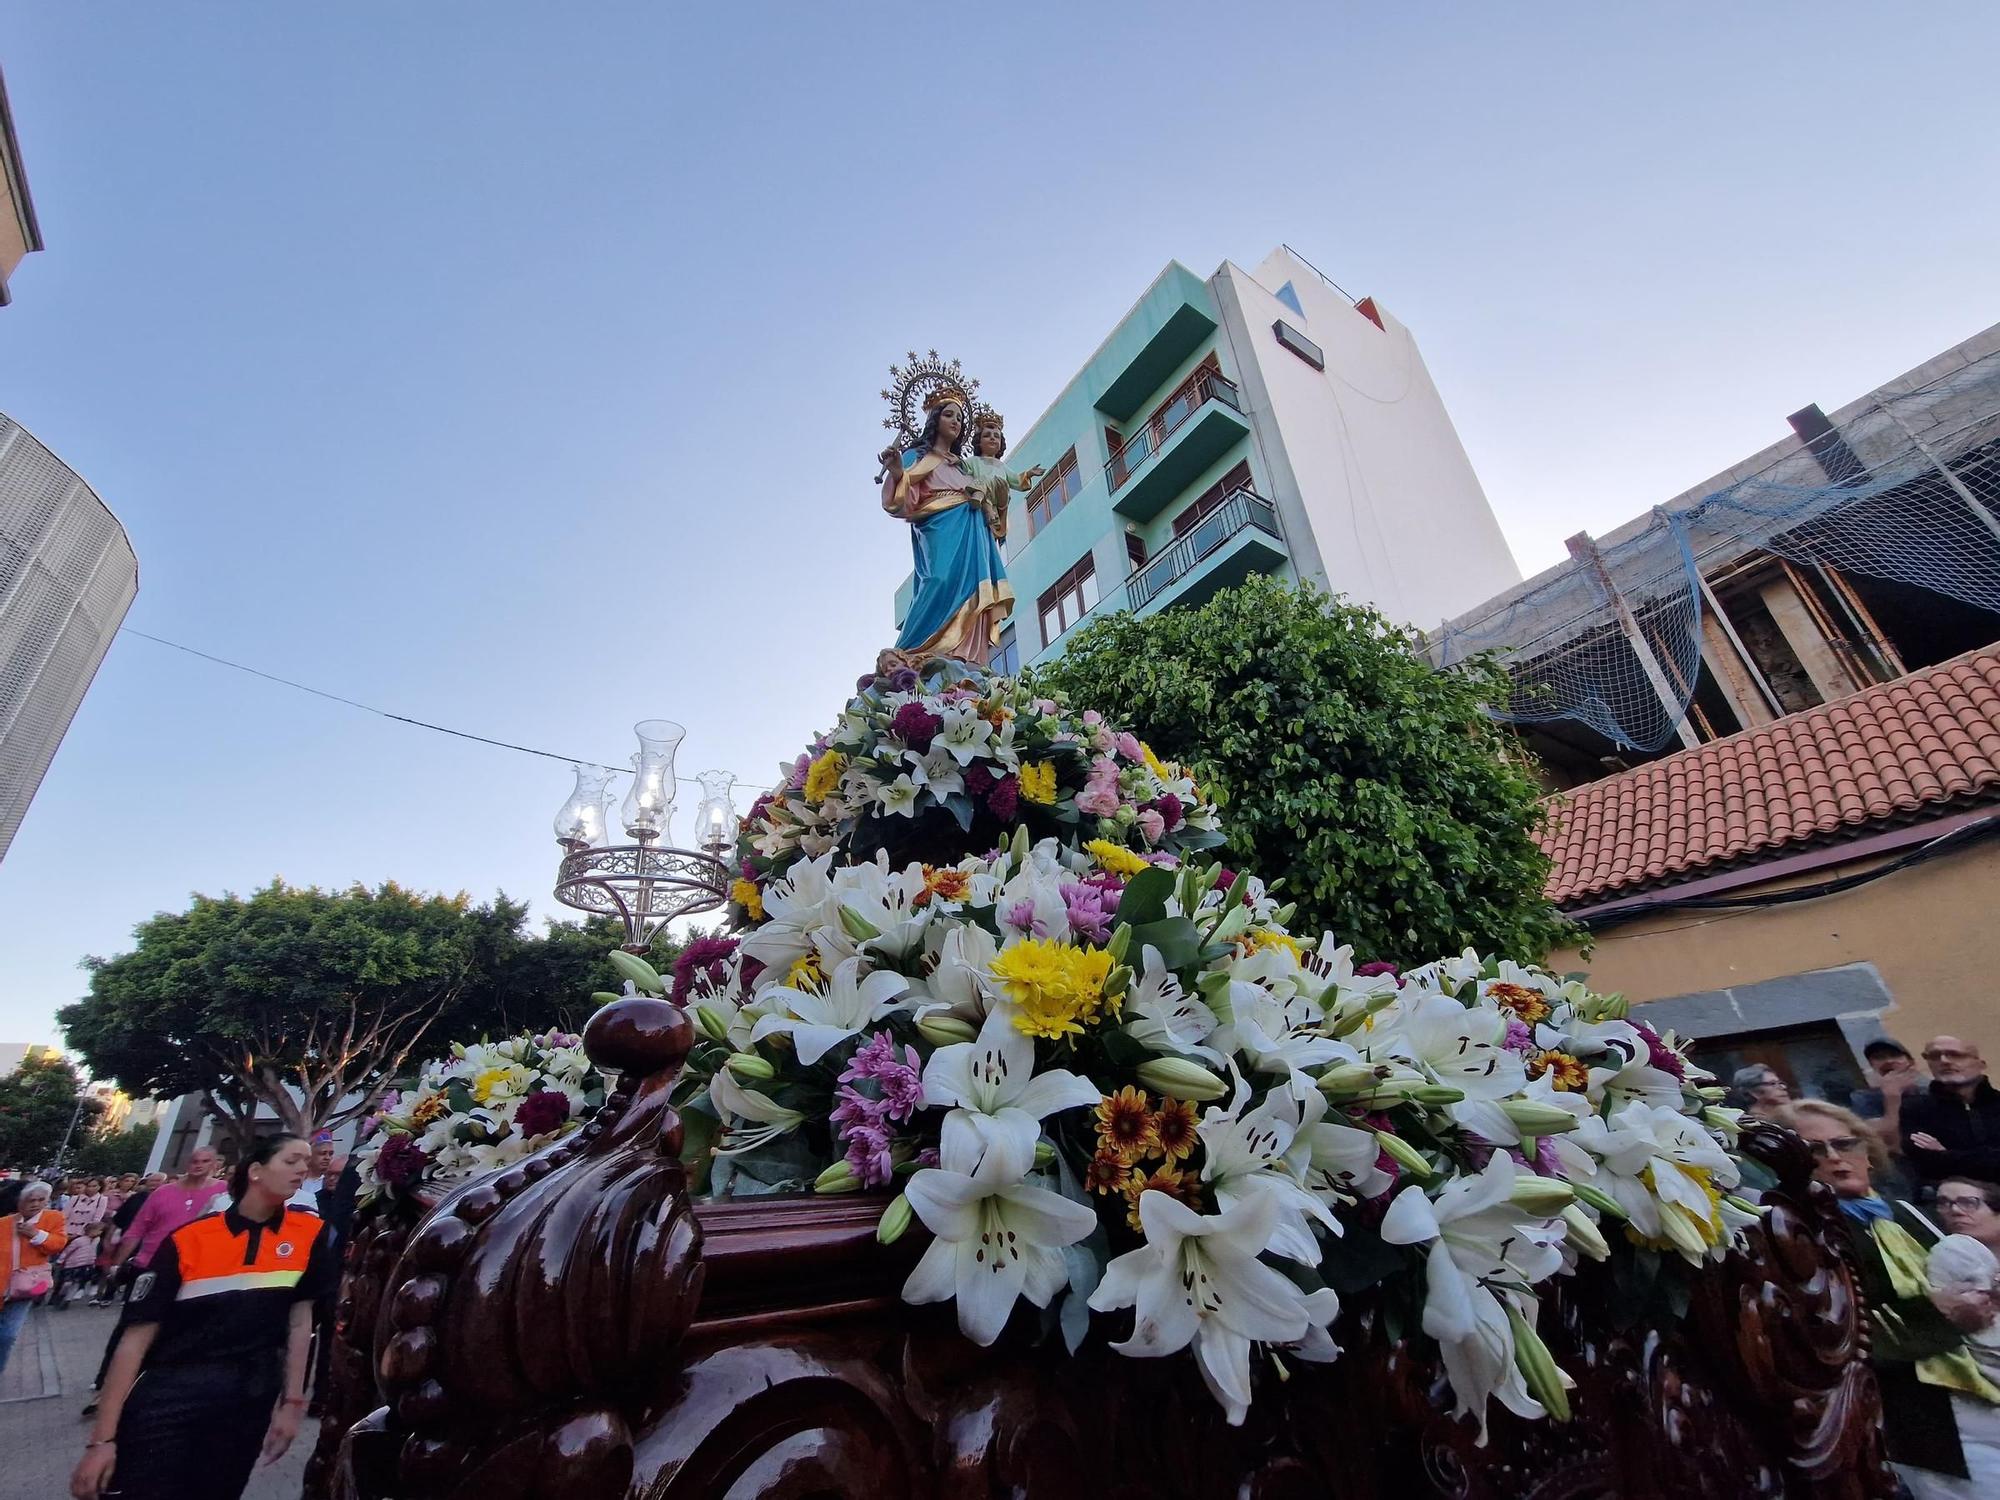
pixel 946 393
pixel 986 416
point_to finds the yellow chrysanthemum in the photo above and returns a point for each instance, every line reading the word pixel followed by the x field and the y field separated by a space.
pixel 1126 1126
pixel 1057 988
pixel 746 895
pixel 823 777
pixel 1270 937
pixel 1114 859
pixel 1038 782
pixel 1153 763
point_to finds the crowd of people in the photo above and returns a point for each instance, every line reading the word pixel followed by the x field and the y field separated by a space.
pixel 224 1283
pixel 1914 1163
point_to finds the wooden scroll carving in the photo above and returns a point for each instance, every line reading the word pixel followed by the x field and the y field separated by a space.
pixel 575 1329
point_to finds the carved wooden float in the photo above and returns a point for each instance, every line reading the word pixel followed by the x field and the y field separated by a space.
pixel 577 1328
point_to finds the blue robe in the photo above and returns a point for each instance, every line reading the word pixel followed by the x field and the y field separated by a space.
pixel 960 575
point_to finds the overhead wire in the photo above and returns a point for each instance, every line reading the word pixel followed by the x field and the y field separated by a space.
pixel 369 708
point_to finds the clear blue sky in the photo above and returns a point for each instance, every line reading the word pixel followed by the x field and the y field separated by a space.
pixel 515 365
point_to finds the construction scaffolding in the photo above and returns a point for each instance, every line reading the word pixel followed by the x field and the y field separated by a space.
pixel 1903 487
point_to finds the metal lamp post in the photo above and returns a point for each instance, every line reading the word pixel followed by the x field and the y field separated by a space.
pixel 648 882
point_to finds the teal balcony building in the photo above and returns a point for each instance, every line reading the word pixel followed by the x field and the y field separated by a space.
pixel 1246 423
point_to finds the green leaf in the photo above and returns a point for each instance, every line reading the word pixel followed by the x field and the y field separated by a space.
pixel 1146 896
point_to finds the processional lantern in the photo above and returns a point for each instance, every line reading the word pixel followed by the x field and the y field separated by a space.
pixel 647 882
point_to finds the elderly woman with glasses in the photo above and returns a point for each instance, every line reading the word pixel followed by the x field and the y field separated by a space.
pixel 1757 1090
pixel 1970 1207
pixel 1918 1355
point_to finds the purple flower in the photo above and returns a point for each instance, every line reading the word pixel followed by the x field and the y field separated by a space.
pixel 1172 811
pixel 1661 1055
pixel 916 726
pixel 1089 913
pixel 899 1079
pixel 401 1161
pixel 1020 916
pixel 541 1112
pixel 863 683
pixel 903 680
pixel 1519 1038
pixel 706 958
pixel 1225 880
pixel 855 1108
pixel 795 779
pixel 1379 966
pixel 868 1154
pixel 1005 798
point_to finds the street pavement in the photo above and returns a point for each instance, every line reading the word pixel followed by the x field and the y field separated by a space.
pixel 42 1392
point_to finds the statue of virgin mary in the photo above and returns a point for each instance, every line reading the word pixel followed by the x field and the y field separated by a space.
pixel 962 598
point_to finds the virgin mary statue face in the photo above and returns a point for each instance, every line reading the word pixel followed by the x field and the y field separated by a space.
pixel 951 422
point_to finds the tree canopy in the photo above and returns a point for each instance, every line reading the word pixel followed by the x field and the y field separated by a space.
pixel 310 1002
pixel 38 1100
pixel 1398 813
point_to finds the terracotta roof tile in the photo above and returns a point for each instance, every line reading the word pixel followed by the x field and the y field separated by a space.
pixel 1881 756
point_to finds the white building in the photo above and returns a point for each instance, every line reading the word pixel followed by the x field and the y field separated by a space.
pixel 1250 422
pixel 67 576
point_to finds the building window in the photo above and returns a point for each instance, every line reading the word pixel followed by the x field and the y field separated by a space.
pixel 1007 656
pixel 1053 491
pixel 1068 600
pixel 1135 550
pixel 1210 499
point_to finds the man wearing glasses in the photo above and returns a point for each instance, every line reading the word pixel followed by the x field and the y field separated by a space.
pixel 1952 1128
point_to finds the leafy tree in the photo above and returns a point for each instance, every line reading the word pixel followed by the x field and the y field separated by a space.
pixel 309 1002
pixel 38 1100
pixel 111 1153
pixel 1399 815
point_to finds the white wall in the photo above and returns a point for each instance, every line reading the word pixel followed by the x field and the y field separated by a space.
pixel 1375 468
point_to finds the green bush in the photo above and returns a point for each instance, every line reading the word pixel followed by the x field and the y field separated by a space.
pixel 1400 816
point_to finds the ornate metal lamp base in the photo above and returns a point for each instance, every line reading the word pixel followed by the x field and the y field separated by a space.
pixel 644 885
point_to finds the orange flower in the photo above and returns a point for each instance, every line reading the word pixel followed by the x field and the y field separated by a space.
pixel 1569 1076
pixel 1126 1126
pixel 946 884
pixel 1106 1173
pixel 1174 1125
pixel 1529 1005
pixel 1164 1179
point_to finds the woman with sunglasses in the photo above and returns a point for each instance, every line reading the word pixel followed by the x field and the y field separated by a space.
pixel 1918 1356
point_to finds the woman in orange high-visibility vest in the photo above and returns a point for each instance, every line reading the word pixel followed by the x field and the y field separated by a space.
pixel 212 1369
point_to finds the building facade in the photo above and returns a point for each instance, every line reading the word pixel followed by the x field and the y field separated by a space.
pixel 20 235
pixel 1249 422
pixel 1862 547
pixel 67 576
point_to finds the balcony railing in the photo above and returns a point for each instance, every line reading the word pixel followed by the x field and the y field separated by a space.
pixel 1206 386
pixel 1242 508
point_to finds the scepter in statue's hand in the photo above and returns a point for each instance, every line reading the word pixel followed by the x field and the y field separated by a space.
pixel 891 459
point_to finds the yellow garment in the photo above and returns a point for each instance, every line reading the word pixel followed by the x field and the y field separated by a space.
pixel 1904 1259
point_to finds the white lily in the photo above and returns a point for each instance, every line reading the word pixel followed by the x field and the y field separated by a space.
pixel 1666 1172
pixel 957 980
pixel 886 900
pixel 1477 1235
pixel 964 734
pixel 1247 1153
pixel 1346 993
pixel 1163 1017
pixel 794 909
pixel 898 797
pixel 1001 1100
pixel 820 1020
pixel 997 1239
pixel 750 1118
pixel 1197 1280
pixel 1458 1047
pixel 936 771
pixel 1332 1158
pixel 1275 1035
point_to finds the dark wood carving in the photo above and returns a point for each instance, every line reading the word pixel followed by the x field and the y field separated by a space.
pixel 576 1328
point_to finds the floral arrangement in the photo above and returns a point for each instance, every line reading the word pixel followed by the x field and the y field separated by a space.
pixel 484 1107
pixel 1105 1076
pixel 949 755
